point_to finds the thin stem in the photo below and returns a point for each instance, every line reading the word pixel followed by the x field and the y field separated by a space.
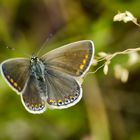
pixel 136 23
pixel 109 57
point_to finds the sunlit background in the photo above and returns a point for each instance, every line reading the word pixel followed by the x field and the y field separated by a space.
pixel 109 109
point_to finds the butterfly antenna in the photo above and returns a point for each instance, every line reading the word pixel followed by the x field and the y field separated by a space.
pixel 13 49
pixel 10 48
pixel 44 44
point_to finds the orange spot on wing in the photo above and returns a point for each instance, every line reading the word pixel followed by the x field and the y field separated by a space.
pixel 51 101
pixel 59 100
pixel 86 56
pixel 71 97
pixel 8 76
pixel 84 61
pixel 11 80
pixel 15 84
pixel 81 66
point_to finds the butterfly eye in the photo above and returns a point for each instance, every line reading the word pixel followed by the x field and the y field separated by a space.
pixel 32 60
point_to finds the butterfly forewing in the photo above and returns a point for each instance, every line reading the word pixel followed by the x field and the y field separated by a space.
pixel 63 90
pixel 74 59
pixel 16 72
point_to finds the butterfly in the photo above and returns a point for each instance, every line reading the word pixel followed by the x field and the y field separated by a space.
pixel 51 81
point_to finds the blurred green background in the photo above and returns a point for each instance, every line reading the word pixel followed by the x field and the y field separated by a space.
pixel 109 109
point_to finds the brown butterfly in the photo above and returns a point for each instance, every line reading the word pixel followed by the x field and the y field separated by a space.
pixel 52 81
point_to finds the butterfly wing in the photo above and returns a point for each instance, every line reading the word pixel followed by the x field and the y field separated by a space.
pixel 15 72
pixel 63 90
pixel 32 98
pixel 74 59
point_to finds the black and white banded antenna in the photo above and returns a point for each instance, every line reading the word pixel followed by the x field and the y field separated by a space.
pixel 10 48
pixel 14 49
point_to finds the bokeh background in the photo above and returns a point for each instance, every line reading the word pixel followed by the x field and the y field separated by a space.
pixel 109 109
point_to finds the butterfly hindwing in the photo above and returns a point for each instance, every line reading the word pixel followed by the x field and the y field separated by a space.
pixel 73 59
pixel 63 90
pixel 15 72
pixel 32 97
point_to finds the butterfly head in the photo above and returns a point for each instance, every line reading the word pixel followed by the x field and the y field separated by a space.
pixel 34 59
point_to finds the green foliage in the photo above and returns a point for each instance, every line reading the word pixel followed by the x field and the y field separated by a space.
pixel 113 110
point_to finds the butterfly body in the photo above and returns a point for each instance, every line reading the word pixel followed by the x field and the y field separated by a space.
pixel 52 81
pixel 37 69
